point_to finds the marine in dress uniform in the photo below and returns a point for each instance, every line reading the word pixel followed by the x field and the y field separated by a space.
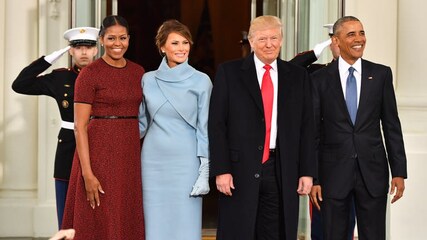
pixel 59 84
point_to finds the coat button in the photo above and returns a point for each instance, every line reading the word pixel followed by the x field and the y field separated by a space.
pixel 256 175
pixel 59 140
pixel 354 156
pixel 260 147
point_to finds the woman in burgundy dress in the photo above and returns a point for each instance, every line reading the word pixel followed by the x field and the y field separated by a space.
pixel 104 198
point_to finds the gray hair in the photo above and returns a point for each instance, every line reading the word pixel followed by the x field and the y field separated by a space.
pixel 338 24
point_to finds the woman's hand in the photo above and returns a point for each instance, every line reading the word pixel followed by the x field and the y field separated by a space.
pixel 93 188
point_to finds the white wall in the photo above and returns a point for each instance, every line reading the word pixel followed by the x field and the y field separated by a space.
pixel 396 37
pixel 28 124
pixel 409 221
pixel 18 183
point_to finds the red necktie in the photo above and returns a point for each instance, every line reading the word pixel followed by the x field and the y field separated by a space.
pixel 267 92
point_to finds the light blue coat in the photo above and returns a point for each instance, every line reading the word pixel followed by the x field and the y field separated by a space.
pixel 173 121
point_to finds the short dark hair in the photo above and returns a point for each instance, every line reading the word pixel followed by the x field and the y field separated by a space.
pixel 111 21
pixel 342 20
pixel 169 27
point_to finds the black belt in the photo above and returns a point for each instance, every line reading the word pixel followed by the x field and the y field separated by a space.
pixel 113 117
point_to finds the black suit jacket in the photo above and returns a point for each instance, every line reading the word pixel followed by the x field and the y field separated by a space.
pixel 59 84
pixel 236 137
pixel 340 143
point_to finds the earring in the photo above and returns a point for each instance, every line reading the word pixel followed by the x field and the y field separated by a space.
pixel 102 45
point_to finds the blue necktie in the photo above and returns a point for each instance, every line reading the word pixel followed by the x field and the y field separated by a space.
pixel 351 95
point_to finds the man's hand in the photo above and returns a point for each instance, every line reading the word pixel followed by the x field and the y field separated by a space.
pixel 224 183
pixel 304 185
pixel 316 196
pixel 397 183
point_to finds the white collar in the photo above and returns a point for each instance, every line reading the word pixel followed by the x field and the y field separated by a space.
pixel 342 64
pixel 260 65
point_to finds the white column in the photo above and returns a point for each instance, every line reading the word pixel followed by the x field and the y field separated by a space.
pixel 408 215
pixel 395 37
pixel 28 125
pixel 18 162
pixel 53 21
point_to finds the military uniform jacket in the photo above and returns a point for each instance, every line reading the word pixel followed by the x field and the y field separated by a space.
pixel 306 60
pixel 59 84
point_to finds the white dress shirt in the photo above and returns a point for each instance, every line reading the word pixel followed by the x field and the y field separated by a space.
pixel 260 70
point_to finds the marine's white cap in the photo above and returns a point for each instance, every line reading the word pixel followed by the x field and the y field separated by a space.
pixel 81 36
pixel 330 27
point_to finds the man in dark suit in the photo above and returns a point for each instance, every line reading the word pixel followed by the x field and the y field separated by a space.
pixel 353 98
pixel 262 145
pixel 306 59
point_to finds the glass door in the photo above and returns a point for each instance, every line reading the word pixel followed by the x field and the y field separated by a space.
pixel 91 13
pixel 303 22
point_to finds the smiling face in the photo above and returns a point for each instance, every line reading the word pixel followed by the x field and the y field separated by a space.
pixel 266 44
pixel 176 49
pixel 351 40
pixel 116 42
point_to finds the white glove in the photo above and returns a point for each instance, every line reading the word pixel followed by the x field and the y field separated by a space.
pixel 51 58
pixel 318 48
pixel 201 187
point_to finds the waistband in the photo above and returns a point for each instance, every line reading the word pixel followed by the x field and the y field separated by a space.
pixel 67 125
pixel 113 117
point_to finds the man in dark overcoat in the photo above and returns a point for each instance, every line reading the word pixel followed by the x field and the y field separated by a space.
pixel 261 128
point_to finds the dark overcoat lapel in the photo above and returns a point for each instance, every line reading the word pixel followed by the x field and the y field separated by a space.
pixel 249 76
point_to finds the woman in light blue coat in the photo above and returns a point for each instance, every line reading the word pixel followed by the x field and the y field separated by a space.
pixel 175 152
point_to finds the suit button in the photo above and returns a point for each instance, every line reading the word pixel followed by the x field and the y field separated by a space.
pixel 262 119
pixel 256 175
pixel 354 156
pixel 260 147
pixel 59 140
